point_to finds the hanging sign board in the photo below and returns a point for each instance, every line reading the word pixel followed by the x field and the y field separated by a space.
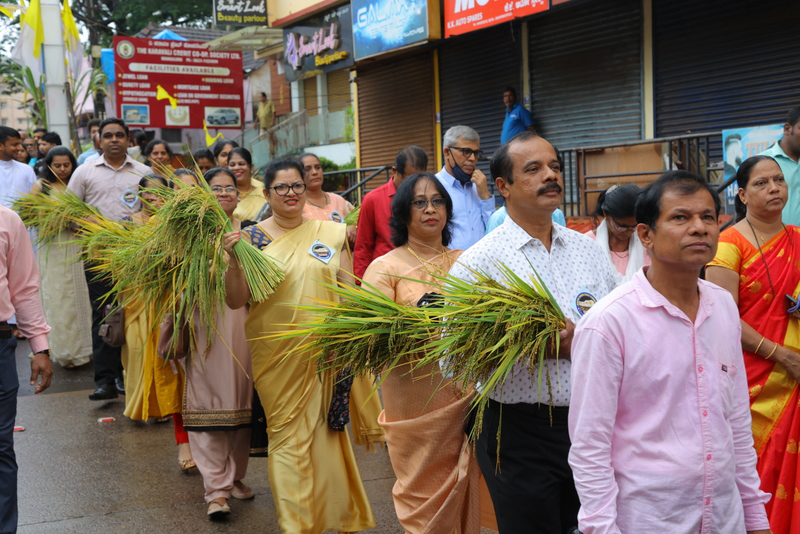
pixel 323 43
pixel 383 25
pixel 464 16
pixel 177 84
pixel 241 12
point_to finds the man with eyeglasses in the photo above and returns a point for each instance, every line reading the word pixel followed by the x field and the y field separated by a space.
pixel 109 183
pixel 473 204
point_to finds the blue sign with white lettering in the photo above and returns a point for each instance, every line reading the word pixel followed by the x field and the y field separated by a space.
pixel 383 25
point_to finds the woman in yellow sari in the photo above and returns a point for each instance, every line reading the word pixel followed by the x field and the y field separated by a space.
pixel 757 261
pixel 314 478
pixel 438 479
pixel 153 387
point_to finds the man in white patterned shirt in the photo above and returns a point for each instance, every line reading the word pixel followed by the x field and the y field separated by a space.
pixel 533 491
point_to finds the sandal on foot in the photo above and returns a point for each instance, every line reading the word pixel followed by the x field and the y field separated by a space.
pixel 242 493
pixel 217 510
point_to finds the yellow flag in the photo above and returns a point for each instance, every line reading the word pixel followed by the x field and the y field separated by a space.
pixel 72 40
pixel 28 50
pixel 210 140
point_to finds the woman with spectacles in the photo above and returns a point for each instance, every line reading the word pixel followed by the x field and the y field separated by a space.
pixel 312 470
pixel 219 388
pixel 424 419
pixel 616 235
pixel 757 262
pixel 251 191
pixel 364 406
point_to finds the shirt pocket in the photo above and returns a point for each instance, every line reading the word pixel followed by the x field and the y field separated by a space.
pixel 727 383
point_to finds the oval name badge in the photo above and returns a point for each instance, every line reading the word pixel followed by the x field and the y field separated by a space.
pixel 321 251
pixel 583 301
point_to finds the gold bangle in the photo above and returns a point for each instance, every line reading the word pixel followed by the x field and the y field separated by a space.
pixel 759 345
pixel 773 351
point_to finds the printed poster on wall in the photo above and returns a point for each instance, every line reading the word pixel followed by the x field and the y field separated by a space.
pixel 738 144
pixel 177 84
pixel 241 12
pixel 464 16
pixel 383 25
pixel 323 42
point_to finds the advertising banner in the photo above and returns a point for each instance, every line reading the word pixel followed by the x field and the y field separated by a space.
pixel 739 144
pixel 177 84
pixel 241 12
pixel 464 16
pixel 383 25
pixel 323 42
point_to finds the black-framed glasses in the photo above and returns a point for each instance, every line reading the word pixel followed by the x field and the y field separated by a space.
pixel 423 204
pixel 283 189
pixel 620 228
pixel 468 152
pixel 220 189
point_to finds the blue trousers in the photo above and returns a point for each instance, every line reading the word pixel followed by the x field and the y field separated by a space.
pixel 9 384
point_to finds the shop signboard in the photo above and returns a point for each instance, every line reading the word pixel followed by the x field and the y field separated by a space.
pixel 241 12
pixel 177 84
pixel 383 25
pixel 464 16
pixel 323 43
pixel 738 144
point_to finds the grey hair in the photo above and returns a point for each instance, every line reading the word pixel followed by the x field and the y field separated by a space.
pixel 455 133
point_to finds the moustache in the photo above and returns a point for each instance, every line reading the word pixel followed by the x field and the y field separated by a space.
pixel 552 186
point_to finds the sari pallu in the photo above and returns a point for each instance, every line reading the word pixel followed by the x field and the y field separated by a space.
pixel 773 391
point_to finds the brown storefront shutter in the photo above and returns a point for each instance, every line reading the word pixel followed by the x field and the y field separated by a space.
pixel 396 109
pixel 310 95
pixel 338 90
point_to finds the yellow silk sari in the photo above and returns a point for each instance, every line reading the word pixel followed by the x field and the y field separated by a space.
pixel 314 478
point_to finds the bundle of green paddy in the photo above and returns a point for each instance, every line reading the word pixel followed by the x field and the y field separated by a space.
pixel 53 213
pixel 352 218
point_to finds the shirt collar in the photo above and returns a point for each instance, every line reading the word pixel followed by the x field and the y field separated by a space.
pixel 650 298
pixel 449 179
pixel 391 188
pixel 102 161
pixel 518 237
pixel 776 151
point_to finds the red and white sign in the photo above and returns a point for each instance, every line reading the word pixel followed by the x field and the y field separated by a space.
pixel 464 16
pixel 177 84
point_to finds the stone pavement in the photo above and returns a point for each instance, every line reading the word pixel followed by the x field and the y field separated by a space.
pixel 80 476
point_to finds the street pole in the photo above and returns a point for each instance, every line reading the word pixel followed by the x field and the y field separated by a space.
pixel 55 70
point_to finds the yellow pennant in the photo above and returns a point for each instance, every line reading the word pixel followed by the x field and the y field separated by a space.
pixel 210 140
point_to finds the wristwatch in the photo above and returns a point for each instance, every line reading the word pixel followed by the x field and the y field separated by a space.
pixel 46 352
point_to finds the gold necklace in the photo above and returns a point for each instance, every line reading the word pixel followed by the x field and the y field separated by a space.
pixel 424 262
pixel 285 231
pixel 327 201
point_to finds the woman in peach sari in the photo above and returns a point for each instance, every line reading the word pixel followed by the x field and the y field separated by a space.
pixel 437 488
pixel 757 261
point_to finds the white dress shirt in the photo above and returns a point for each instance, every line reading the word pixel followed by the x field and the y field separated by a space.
pixel 470 213
pixel 574 270
pixel 16 179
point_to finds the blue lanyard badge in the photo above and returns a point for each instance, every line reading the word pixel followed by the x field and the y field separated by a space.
pixel 321 251
pixel 129 198
pixel 336 217
pixel 583 301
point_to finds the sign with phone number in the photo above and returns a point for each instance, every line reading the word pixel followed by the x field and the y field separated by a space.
pixel 464 16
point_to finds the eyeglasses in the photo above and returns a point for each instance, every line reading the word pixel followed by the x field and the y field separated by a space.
pixel 468 152
pixel 220 189
pixel 283 189
pixel 423 204
pixel 619 228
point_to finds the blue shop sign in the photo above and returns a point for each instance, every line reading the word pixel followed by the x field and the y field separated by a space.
pixel 383 25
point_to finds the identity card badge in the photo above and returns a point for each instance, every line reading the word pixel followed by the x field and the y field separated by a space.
pixel 321 251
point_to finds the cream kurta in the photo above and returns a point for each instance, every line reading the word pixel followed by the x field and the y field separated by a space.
pixel 438 479
pixel 313 474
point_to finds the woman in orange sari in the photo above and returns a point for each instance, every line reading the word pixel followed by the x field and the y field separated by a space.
pixel 757 261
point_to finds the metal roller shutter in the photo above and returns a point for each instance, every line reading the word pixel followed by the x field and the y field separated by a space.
pixel 473 71
pixel 338 89
pixel 395 110
pixel 586 73
pixel 724 64
pixel 310 95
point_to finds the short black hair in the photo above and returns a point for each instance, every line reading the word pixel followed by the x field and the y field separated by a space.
pixel 152 146
pixel 246 156
pixel 401 208
pixel 411 155
pixel 501 165
pixel 52 138
pixel 648 205
pixel 37 130
pixel 283 164
pixel 7 133
pixel 92 123
pixel 793 116
pixel 222 143
pixel 113 120
pixel 263 94
pixel 743 178
pixel 139 137
pixel 729 140
pixel 203 153
pixel 152 178
pixel 209 175
pixel 511 90
pixel 46 173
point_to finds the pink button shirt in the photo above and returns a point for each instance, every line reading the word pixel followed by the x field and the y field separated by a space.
pixel 660 417
pixel 19 281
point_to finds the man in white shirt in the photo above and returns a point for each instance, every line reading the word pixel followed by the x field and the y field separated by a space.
pixel 110 184
pixel 466 184
pixel 16 179
pixel 533 491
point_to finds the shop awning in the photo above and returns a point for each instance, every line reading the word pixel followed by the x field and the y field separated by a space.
pixel 250 38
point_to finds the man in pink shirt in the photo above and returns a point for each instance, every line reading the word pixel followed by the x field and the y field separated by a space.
pixel 19 291
pixel 374 237
pixel 660 412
